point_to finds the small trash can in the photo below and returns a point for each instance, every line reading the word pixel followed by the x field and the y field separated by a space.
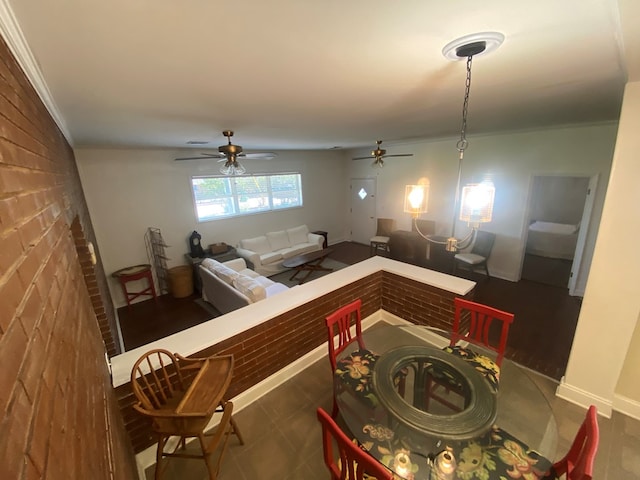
pixel 181 281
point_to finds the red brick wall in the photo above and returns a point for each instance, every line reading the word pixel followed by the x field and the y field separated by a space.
pixel 58 414
pixel 263 350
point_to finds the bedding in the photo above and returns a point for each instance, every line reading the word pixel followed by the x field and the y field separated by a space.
pixel 552 240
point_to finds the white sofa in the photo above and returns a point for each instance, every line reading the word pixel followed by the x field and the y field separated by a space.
pixel 266 253
pixel 231 285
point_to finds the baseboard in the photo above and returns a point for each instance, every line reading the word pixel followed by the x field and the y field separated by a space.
pixel 621 404
pixel 627 406
pixel 583 398
pixel 147 457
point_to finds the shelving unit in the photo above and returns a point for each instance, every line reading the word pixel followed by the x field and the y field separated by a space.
pixel 157 256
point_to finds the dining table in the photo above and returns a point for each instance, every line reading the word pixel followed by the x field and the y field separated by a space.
pixel 480 427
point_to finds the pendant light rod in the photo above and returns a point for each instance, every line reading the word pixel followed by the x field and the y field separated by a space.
pixel 470 49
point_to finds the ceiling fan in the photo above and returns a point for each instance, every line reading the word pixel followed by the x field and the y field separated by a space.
pixel 230 153
pixel 379 153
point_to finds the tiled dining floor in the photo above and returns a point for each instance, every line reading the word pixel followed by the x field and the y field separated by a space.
pixel 283 439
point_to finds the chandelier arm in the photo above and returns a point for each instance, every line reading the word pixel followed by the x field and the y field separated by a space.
pixel 468 240
pixel 426 237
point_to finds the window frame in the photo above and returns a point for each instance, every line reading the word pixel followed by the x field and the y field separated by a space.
pixel 234 196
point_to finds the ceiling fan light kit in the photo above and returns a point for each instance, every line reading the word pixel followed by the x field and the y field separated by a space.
pixel 477 199
pixel 229 154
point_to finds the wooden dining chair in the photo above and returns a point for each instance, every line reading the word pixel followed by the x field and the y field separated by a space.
pixel 577 464
pixel 354 463
pixel 472 323
pixel 161 382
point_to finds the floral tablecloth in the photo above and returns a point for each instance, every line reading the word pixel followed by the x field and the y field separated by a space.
pixel 495 456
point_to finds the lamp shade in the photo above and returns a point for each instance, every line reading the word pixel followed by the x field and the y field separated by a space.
pixel 416 199
pixel 477 203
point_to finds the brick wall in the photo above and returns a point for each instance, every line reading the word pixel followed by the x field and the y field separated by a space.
pixel 58 414
pixel 263 350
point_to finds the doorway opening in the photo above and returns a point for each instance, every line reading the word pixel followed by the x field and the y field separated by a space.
pixel 556 212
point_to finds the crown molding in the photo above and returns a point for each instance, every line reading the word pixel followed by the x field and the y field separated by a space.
pixel 12 34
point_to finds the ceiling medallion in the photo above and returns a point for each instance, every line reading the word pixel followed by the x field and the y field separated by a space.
pixel 456 49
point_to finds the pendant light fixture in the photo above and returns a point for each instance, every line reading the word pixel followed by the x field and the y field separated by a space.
pixel 475 205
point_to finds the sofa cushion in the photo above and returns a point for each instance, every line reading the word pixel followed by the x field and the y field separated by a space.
pixel 264 281
pixel 276 288
pixel 210 264
pixel 271 257
pixel 220 270
pixel 278 240
pixel 249 273
pixel 250 288
pixel 238 264
pixel 257 244
pixel 298 235
pixel 299 249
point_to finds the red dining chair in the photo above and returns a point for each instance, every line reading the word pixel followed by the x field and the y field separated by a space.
pixel 577 464
pixel 359 465
pixel 472 323
pixel 354 370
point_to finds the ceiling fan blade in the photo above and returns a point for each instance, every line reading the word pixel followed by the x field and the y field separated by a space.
pixel 259 156
pixel 203 156
pixel 399 155
pixel 368 157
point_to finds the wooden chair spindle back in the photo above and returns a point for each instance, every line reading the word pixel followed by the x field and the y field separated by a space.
pixel 156 379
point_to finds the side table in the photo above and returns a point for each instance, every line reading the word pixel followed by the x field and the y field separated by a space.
pixel 324 234
pixel 130 274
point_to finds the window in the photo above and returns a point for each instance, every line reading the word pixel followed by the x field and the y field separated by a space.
pixel 223 197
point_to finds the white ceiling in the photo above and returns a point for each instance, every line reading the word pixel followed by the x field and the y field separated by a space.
pixel 295 74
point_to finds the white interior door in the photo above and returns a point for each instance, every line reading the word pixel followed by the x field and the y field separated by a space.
pixel 363 209
pixel 582 234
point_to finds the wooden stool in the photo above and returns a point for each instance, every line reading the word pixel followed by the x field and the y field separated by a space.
pixel 130 274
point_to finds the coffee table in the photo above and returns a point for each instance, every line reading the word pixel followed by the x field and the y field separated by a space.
pixel 308 262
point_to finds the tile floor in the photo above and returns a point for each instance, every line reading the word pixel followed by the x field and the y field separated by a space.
pixel 283 436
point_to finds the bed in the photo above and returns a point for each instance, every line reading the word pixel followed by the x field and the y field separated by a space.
pixel 552 240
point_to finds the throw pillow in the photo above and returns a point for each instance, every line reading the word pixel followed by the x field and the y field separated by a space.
pixel 250 288
pixel 257 244
pixel 210 264
pixel 298 235
pixel 226 274
pixel 278 240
